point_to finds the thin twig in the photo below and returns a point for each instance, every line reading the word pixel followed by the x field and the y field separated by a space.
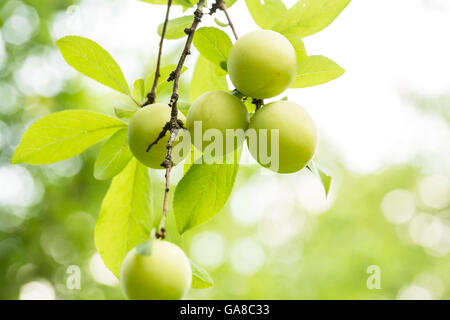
pixel 161 234
pixel 161 135
pixel 222 6
pixel 174 123
pixel 151 97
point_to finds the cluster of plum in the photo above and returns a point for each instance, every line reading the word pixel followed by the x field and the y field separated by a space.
pixel 261 65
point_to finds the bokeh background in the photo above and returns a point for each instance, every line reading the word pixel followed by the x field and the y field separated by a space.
pixel 385 139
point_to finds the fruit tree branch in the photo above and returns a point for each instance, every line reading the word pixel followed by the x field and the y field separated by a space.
pixel 174 124
pixel 151 97
pixel 223 7
pixel 220 4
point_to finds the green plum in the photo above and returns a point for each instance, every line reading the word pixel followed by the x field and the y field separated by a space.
pixel 297 137
pixel 163 275
pixel 223 112
pixel 262 64
pixel 145 126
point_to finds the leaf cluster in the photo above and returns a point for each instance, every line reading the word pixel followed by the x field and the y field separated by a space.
pixel 126 218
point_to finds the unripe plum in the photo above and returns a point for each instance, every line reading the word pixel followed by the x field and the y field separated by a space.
pixel 297 136
pixel 163 275
pixel 145 126
pixel 262 64
pixel 218 110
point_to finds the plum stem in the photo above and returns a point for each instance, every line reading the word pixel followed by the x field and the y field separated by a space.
pixel 151 97
pixel 220 4
pixel 258 103
pixel 161 135
pixel 174 125
pixel 223 7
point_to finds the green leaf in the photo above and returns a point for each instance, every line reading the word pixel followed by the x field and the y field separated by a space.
pixel 307 17
pixel 267 13
pixel 155 1
pixel 299 47
pixel 223 65
pixel 164 73
pixel 214 44
pixel 63 135
pixel 316 70
pixel 229 3
pixel 250 105
pixel 200 277
pixel 187 4
pixel 202 193
pixel 205 78
pixel 175 27
pixel 125 219
pixel 184 3
pixel 125 111
pixel 183 107
pixel 192 158
pixel 324 178
pixel 139 94
pixel 145 248
pixel 220 23
pixel 89 58
pixel 326 181
pixel 113 157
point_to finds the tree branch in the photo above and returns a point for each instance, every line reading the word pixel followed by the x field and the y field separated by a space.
pixel 161 135
pixel 151 97
pixel 223 7
pixel 174 124
pixel 220 4
pixel 161 234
